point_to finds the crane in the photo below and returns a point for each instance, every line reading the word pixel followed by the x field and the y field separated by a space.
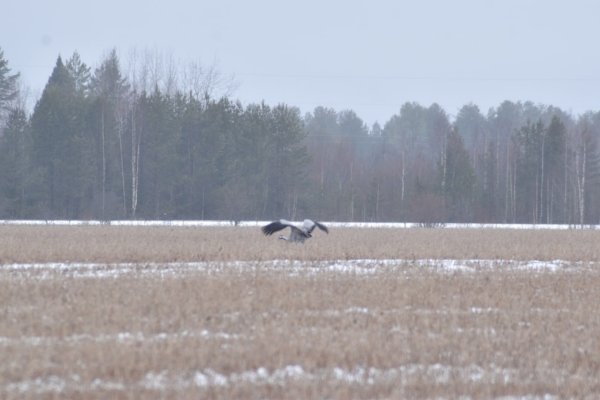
pixel 298 234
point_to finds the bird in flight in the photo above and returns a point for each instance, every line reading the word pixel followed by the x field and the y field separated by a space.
pixel 298 234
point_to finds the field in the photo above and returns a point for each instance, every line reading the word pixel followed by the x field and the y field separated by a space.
pixel 175 312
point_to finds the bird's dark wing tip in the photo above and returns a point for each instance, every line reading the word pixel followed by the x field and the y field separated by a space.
pixel 322 227
pixel 272 228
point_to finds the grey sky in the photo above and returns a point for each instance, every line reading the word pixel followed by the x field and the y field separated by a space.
pixel 369 56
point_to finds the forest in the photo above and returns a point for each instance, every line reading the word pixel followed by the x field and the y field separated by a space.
pixel 108 144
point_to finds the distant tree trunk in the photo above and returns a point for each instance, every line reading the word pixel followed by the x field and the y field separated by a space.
pixel 402 187
pixel 541 206
pixel 135 163
pixel 264 205
pixel 536 196
pixel 294 204
pixel 566 213
pixel 122 165
pixel 322 180
pixel 513 198
pixel 103 163
pixel 507 192
pixel 496 177
pixel 580 170
pixel 202 212
pixel 351 191
pixel 444 162
pixel 377 202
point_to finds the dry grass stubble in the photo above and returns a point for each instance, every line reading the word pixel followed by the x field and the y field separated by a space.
pixel 484 334
pixel 20 244
pixel 266 333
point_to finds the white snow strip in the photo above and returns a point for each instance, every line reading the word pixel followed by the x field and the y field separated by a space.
pixel 121 337
pixel 48 384
pixel 208 378
pixel 363 267
pixel 224 223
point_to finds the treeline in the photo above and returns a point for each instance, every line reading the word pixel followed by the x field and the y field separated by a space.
pixel 104 145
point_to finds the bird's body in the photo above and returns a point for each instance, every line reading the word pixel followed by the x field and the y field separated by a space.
pixel 298 234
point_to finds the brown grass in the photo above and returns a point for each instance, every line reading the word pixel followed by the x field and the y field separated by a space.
pixel 415 334
pixel 20 244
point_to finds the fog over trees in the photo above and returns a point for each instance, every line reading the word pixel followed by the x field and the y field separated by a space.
pixel 158 140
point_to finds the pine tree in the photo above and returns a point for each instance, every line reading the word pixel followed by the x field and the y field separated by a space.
pixel 459 180
pixel 554 161
pixel 251 170
pixel 158 177
pixel 530 171
pixel 287 162
pixel 8 86
pixel 322 137
pixel 15 178
pixel 80 73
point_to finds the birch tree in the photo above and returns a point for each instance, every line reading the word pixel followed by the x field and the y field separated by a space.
pixel 110 89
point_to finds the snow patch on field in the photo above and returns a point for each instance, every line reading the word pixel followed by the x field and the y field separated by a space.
pixel 361 267
pixel 120 337
pixel 164 380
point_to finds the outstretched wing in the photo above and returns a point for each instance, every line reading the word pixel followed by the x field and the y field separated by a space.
pixel 274 226
pixel 309 226
pixel 321 227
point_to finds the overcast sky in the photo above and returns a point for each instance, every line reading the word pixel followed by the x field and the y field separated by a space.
pixel 369 56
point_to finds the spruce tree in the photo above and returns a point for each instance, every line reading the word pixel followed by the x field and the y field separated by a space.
pixel 57 135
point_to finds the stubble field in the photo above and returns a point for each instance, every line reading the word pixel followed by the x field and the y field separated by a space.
pixel 131 312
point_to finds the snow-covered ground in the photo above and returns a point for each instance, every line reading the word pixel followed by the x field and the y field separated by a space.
pixel 206 223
